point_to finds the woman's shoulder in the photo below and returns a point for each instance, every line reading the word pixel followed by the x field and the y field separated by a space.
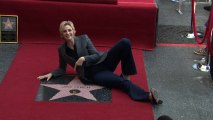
pixel 84 36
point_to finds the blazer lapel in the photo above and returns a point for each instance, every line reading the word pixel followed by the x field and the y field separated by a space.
pixel 78 45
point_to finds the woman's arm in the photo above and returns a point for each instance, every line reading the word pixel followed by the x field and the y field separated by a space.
pixel 62 65
pixel 47 76
pixel 94 55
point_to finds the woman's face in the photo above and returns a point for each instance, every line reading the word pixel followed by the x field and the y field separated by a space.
pixel 68 33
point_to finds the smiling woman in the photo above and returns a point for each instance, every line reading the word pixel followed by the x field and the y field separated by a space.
pixel 66 23
pixel 67 31
pixel 94 67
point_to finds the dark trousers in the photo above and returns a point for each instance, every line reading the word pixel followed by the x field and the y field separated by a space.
pixel 102 74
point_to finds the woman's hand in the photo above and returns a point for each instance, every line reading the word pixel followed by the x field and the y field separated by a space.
pixel 79 62
pixel 47 76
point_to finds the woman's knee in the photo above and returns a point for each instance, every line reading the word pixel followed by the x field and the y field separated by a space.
pixel 126 42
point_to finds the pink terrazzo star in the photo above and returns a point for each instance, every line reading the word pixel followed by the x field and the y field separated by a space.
pixel 74 87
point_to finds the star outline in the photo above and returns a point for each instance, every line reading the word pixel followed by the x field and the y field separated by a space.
pixel 64 89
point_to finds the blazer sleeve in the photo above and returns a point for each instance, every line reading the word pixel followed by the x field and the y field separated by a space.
pixel 62 65
pixel 93 55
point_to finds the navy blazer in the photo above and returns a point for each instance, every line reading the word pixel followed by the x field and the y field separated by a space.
pixel 86 49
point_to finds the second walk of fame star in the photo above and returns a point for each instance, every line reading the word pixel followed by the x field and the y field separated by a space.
pixel 8 23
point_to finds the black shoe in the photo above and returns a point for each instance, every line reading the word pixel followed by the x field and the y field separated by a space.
pixel 207 8
pixel 155 98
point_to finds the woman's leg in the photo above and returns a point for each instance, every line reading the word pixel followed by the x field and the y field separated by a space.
pixel 105 76
pixel 109 79
pixel 121 51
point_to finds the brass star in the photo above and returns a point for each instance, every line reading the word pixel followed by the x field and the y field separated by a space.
pixel 8 24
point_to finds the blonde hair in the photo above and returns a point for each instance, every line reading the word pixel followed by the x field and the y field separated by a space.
pixel 63 24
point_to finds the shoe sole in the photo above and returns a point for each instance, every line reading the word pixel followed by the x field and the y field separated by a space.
pixel 155 96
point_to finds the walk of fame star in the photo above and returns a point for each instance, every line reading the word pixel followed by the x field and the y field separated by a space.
pixel 8 24
pixel 74 87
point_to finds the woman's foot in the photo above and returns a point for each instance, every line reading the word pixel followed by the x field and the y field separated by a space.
pixel 154 96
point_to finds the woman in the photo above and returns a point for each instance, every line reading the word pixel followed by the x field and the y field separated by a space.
pixel 94 67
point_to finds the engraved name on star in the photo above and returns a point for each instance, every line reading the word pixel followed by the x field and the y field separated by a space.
pixel 74 87
pixel 8 24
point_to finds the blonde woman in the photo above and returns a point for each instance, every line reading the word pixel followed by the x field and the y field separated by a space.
pixel 94 67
